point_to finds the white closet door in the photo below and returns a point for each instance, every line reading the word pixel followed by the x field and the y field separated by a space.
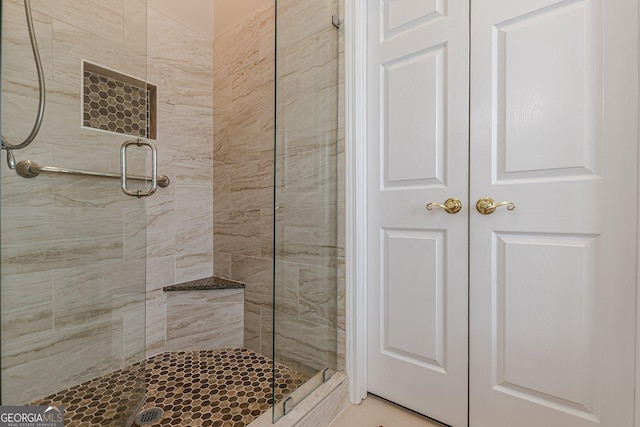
pixel 418 153
pixel 554 129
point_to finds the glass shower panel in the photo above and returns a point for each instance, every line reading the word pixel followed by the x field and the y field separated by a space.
pixel 306 198
pixel 73 249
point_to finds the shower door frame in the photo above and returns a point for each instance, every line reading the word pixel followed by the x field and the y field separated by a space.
pixel 324 372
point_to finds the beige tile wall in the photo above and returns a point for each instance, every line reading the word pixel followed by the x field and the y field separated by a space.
pixel 204 319
pixel 180 220
pixel 243 71
pixel 308 247
pixel 73 250
pixel 73 257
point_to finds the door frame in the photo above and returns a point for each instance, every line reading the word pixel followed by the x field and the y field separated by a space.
pixel 637 374
pixel 356 196
pixel 356 207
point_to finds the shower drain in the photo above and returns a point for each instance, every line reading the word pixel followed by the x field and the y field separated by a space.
pixel 148 416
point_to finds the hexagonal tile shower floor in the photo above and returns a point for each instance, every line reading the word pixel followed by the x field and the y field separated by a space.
pixel 222 388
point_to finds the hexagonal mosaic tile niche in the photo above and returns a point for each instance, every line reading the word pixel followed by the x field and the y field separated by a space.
pixel 117 102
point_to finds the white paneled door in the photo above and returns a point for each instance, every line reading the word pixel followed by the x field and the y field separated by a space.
pixel 418 98
pixel 554 129
pixel 551 284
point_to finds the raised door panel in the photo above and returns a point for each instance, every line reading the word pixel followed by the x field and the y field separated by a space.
pixel 544 290
pixel 413 293
pixel 413 118
pixel 547 84
pixel 404 15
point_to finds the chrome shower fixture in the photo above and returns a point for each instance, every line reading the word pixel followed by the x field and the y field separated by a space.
pixel 41 96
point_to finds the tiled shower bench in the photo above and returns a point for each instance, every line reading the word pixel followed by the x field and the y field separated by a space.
pixel 204 314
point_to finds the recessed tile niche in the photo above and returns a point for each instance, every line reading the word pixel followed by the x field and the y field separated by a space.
pixel 117 102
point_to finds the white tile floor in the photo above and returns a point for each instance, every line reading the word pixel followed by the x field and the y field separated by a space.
pixel 377 412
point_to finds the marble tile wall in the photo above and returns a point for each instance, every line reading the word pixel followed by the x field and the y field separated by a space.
pixel 243 72
pixel 180 220
pixel 308 181
pixel 310 267
pixel 73 257
pixel 73 249
pixel 204 319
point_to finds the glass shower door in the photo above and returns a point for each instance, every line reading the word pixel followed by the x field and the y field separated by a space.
pixel 306 198
pixel 73 248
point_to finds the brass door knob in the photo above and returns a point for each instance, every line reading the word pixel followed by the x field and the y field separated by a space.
pixel 487 205
pixel 451 206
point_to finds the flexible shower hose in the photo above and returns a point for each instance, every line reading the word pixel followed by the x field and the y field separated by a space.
pixel 36 56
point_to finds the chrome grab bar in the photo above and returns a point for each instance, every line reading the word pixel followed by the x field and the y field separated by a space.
pixel 29 169
pixel 123 168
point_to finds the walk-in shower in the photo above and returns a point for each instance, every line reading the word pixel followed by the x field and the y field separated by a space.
pixel 72 285
pixel 248 147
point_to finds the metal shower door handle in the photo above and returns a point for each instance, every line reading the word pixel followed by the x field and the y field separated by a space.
pixel 154 168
